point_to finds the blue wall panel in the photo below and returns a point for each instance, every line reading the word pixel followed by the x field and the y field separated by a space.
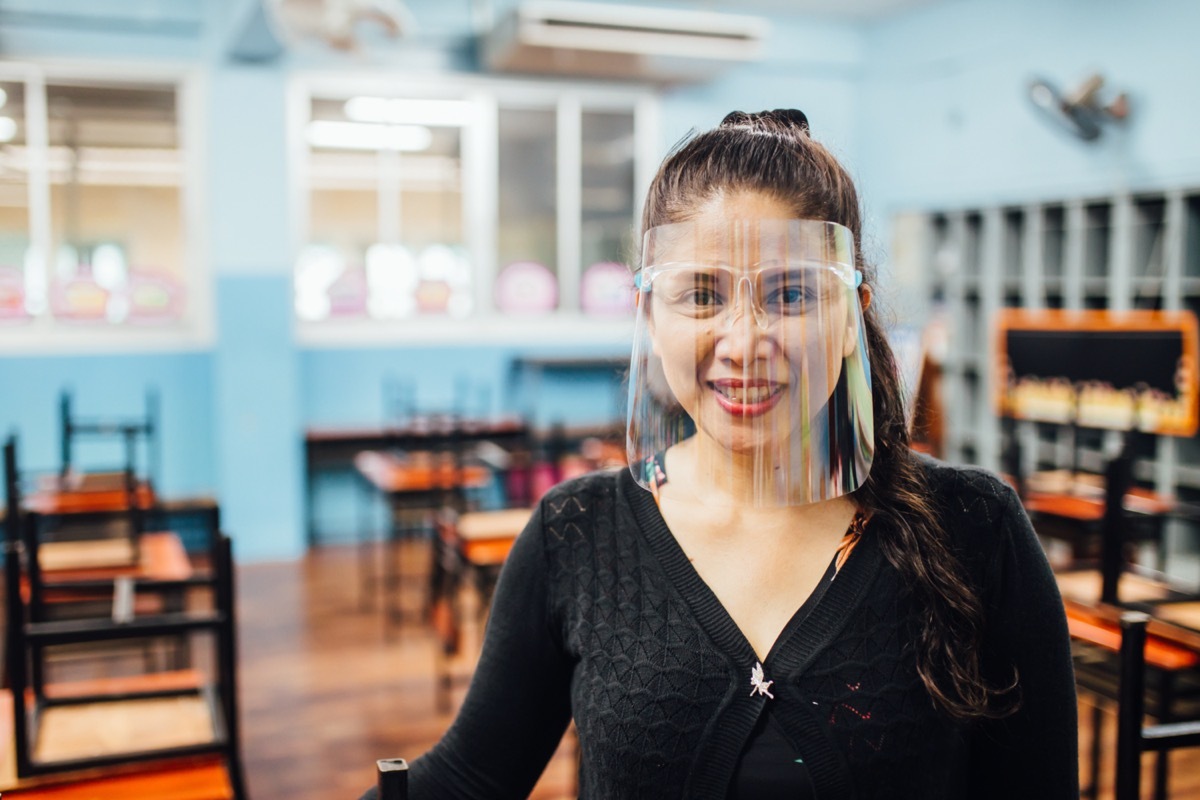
pixel 256 413
pixel 108 386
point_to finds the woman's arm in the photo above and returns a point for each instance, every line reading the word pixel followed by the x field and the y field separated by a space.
pixel 1035 751
pixel 518 704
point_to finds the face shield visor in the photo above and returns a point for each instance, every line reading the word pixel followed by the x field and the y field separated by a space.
pixel 749 379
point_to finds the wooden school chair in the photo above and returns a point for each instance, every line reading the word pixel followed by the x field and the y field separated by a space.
pixel 1133 736
pixel 63 729
pixel 1171 660
pixel 393 778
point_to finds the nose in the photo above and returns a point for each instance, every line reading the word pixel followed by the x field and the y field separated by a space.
pixel 742 339
pixel 745 298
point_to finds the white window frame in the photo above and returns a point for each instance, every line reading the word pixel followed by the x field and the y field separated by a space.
pixel 45 335
pixel 480 175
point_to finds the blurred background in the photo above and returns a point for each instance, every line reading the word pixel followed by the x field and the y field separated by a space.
pixel 272 256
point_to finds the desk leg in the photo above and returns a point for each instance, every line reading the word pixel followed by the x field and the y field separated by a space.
pixel 310 502
pixel 366 545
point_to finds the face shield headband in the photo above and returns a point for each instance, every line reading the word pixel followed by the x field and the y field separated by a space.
pixel 749 377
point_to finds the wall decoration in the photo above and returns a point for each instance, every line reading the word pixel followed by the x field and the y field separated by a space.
pixel 1120 370
pixel 12 295
pixel 607 290
pixel 526 287
pixel 154 297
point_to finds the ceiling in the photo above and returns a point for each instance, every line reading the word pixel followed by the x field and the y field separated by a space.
pixel 857 10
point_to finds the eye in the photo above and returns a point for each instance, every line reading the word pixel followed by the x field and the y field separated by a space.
pixel 791 299
pixel 702 297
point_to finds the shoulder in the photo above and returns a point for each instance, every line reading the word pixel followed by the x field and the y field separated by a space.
pixel 578 505
pixel 580 493
pixel 968 495
pixel 984 520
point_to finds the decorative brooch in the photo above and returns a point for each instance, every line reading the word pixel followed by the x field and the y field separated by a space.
pixel 758 685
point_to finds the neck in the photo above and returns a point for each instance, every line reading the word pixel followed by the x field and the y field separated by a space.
pixel 779 472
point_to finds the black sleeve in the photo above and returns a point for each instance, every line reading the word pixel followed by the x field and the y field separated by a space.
pixel 1033 752
pixel 518 704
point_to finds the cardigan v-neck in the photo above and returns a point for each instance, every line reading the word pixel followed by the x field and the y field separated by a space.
pixel 851 582
pixel 599 616
pixel 796 646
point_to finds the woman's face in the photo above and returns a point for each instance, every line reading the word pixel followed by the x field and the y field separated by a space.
pixel 758 345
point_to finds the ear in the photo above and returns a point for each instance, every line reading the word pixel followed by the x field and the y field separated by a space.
pixel 851 338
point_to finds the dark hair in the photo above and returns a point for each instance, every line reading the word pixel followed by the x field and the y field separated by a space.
pixel 772 153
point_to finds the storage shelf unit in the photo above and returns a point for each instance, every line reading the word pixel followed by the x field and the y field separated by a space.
pixel 1126 251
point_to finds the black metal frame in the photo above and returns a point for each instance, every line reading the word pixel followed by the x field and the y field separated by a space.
pixel 330 452
pixel 130 430
pixel 29 634
pixel 393 778
pixel 1132 737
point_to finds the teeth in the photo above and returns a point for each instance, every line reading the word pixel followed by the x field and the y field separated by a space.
pixel 748 394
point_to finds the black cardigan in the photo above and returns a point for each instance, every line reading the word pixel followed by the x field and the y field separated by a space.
pixel 600 615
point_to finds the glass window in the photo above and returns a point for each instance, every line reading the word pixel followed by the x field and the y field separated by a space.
pixel 527 237
pixel 504 198
pixel 386 236
pixel 116 204
pixel 607 209
pixel 15 304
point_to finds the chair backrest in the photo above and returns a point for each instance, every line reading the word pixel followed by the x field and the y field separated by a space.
pixel 393 778
pixel 1133 736
pixel 145 428
pixel 15 665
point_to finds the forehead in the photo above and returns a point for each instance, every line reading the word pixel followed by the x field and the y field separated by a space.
pixel 741 204
pixel 739 228
pixel 749 244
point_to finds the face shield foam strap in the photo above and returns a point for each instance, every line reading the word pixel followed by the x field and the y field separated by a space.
pixel 749 374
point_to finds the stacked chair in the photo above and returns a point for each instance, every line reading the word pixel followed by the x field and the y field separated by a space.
pixel 1133 736
pixel 116 708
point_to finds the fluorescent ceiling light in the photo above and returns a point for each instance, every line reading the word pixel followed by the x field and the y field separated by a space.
pixel 399 111
pixel 363 136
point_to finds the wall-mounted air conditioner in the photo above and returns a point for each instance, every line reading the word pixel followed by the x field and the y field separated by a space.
pixel 565 37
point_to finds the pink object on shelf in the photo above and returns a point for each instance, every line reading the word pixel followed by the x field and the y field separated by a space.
pixel 80 299
pixel 607 290
pixel 12 295
pixel 154 297
pixel 526 287
pixel 348 294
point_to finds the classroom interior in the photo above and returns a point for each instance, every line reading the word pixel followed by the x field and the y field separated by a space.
pixel 305 303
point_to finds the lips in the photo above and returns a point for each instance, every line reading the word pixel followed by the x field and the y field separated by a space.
pixel 746 398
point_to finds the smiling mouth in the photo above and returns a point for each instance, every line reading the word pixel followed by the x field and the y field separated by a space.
pixel 737 398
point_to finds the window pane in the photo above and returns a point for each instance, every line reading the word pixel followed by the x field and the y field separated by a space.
pixel 527 238
pixel 386 226
pixel 117 238
pixel 14 208
pixel 607 204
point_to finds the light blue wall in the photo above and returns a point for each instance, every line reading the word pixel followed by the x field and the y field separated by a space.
pixel 356 387
pixel 946 117
pixel 114 386
pixel 926 109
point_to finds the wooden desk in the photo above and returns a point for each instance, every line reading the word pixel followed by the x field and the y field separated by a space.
pixel 332 448
pixel 1080 503
pixel 485 538
pixel 402 476
pixel 192 779
pixel 87 494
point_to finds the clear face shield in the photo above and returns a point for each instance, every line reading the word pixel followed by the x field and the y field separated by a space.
pixel 749 380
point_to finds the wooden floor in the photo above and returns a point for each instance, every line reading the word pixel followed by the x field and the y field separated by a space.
pixel 324 691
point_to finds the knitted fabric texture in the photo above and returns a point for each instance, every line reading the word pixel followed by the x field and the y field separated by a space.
pixel 600 616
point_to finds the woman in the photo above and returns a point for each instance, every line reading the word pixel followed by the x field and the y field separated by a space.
pixel 779 599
